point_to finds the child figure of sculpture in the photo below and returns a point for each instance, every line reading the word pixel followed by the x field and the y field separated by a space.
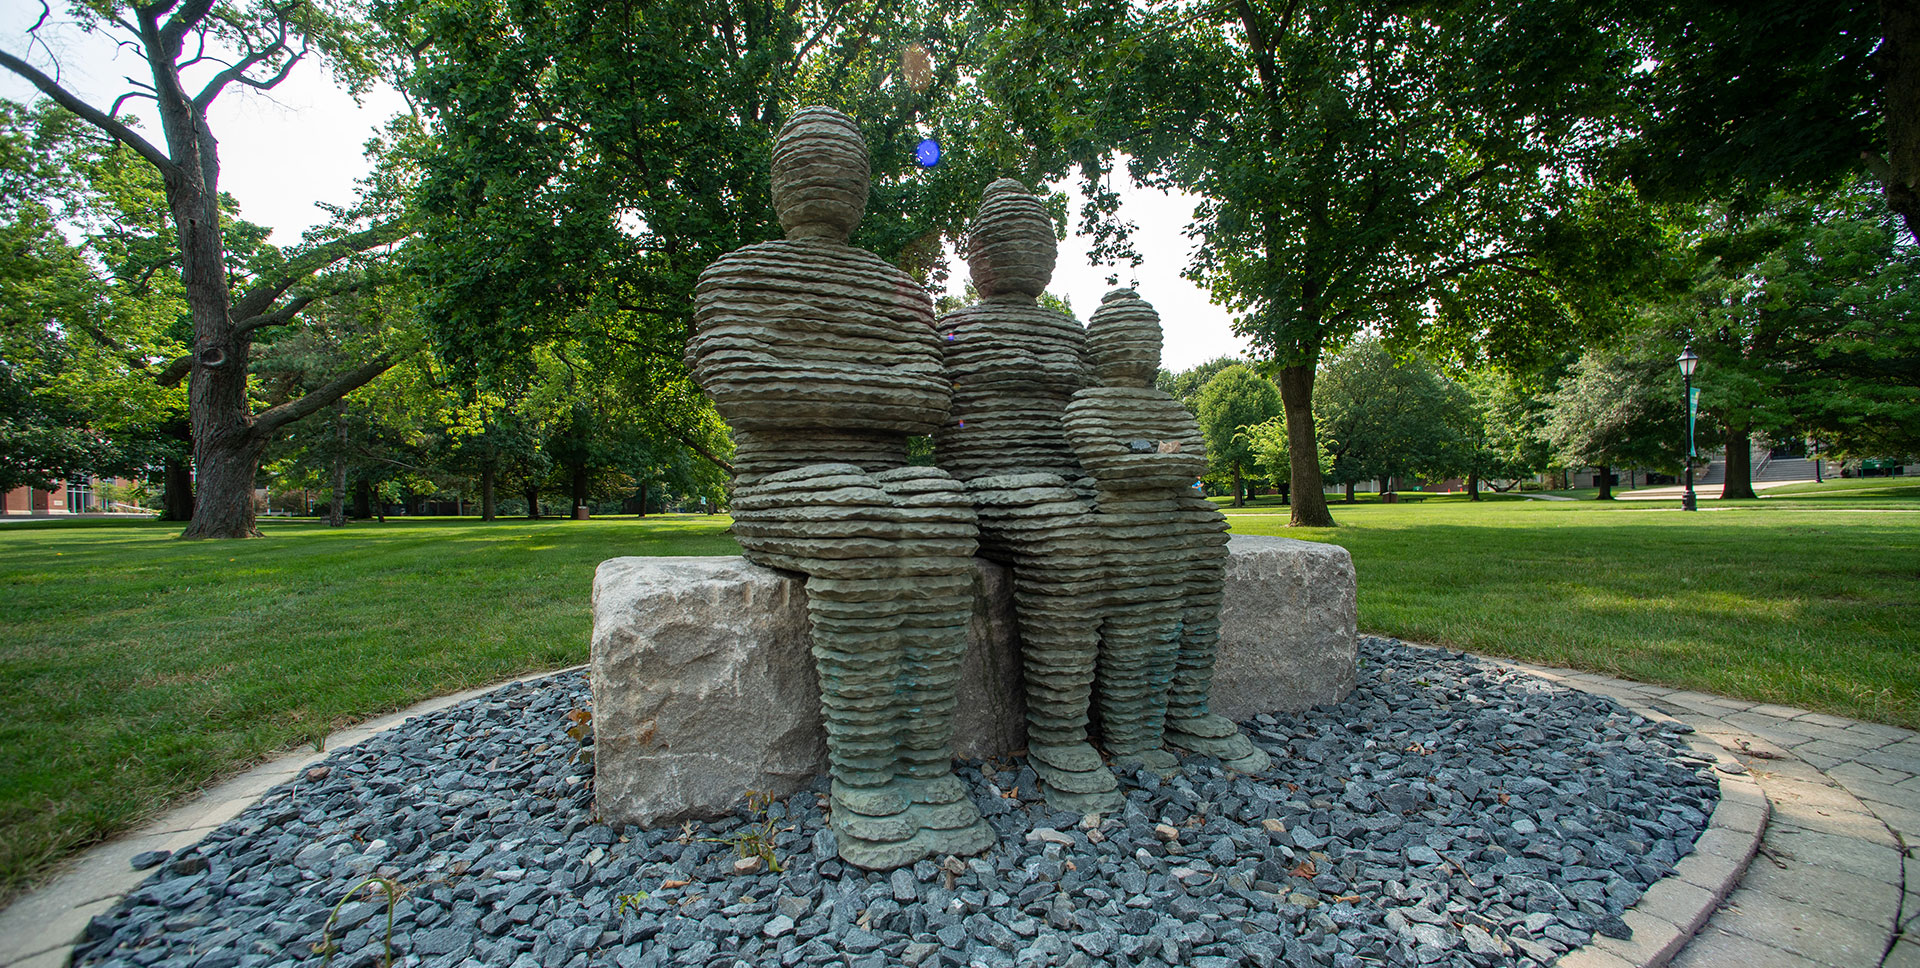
pixel 1014 364
pixel 1169 549
pixel 824 360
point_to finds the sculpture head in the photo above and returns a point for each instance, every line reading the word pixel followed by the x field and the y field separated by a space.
pixel 1123 337
pixel 820 175
pixel 1010 247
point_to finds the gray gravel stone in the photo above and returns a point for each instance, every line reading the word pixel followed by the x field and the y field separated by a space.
pixel 1386 820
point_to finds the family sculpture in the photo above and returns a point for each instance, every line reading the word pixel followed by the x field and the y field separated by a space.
pixel 1054 454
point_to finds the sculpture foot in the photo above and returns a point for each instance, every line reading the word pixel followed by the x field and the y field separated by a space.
pixel 1072 777
pixel 952 828
pixel 1160 761
pixel 1216 736
pixel 880 855
pixel 875 856
pixel 871 815
pixel 880 828
pixel 934 789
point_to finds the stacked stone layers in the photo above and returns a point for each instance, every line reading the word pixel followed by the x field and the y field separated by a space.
pixel 1013 365
pixel 1168 555
pixel 1010 246
pixel 1128 331
pixel 824 360
pixel 820 175
pixel 822 352
pixel 1048 532
pixel 889 597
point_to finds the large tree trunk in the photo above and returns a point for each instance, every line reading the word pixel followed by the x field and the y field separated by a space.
pixel 486 490
pixel 533 502
pixel 223 499
pixel 226 452
pixel 362 500
pixel 337 508
pixel 1350 497
pixel 643 499
pixel 176 498
pixel 1739 483
pixel 1899 169
pixel 1239 489
pixel 1303 449
pixel 579 486
pixel 1605 481
pixel 1473 487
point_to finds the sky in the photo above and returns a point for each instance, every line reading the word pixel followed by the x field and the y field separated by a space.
pixel 283 151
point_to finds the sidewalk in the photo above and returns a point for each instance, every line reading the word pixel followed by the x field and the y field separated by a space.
pixel 1702 492
pixel 1807 862
pixel 1836 881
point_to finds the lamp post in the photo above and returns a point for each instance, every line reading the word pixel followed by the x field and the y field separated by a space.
pixel 1688 361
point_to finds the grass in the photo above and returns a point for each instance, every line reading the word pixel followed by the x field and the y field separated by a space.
pixel 135 668
pixel 1769 601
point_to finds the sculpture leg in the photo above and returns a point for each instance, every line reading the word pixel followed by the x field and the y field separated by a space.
pixel 889 595
pixel 858 659
pixel 1045 530
pixel 1190 725
pixel 933 639
pixel 1139 637
pixel 1059 647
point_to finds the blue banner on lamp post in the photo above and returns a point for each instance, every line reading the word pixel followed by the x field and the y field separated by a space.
pixel 1693 408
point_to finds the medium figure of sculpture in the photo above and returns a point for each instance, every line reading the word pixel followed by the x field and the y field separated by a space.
pixel 1117 576
pixel 824 360
pixel 1169 547
pixel 1014 365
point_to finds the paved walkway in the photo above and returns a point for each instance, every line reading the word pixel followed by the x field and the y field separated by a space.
pixel 1809 861
pixel 1704 492
pixel 1836 881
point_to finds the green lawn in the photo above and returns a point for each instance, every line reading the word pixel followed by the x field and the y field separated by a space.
pixel 1810 602
pixel 135 668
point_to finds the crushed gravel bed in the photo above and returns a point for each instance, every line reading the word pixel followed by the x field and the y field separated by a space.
pixel 1447 812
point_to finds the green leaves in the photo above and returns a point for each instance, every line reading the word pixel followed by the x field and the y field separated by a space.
pixel 1235 399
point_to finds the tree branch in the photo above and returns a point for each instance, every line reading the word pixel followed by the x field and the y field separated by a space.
pixel 697 448
pixel 93 115
pixel 269 421
pixel 270 289
pixel 279 317
pixel 238 71
pixel 175 371
pixel 183 20
pixel 122 99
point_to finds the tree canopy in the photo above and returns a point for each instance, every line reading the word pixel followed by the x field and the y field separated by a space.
pixel 1362 166
pixel 195 52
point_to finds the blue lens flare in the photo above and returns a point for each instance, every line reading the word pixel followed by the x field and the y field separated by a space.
pixel 927 153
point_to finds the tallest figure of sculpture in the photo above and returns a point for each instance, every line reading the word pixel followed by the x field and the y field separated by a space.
pixel 824 360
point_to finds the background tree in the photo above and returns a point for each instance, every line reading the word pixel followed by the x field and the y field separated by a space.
pixel 1506 437
pixel 1184 385
pixel 195 52
pixel 1619 408
pixel 78 223
pixel 1803 313
pixel 1382 418
pixel 589 161
pixel 1360 165
pixel 1235 399
pixel 1737 99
